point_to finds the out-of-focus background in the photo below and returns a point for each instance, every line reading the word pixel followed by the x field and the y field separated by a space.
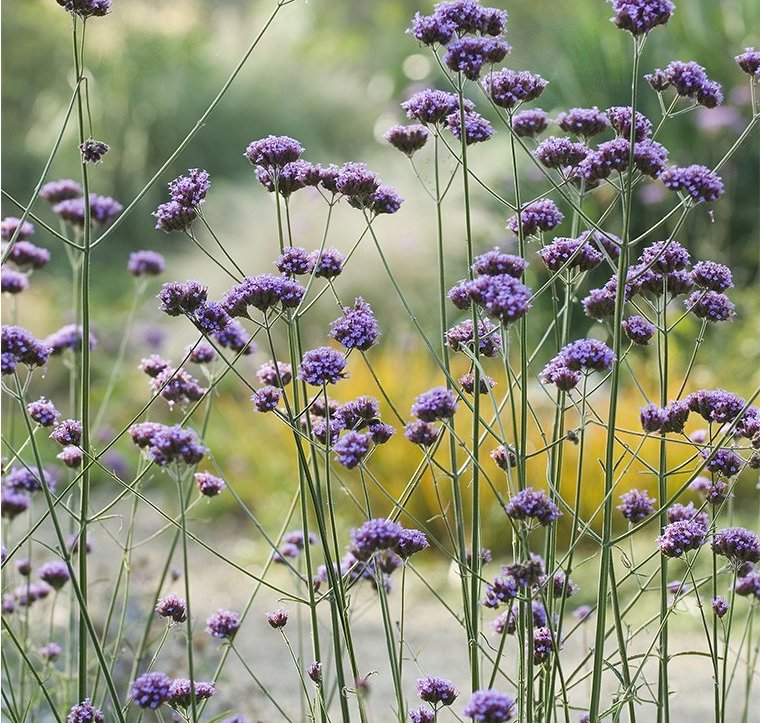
pixel 332 74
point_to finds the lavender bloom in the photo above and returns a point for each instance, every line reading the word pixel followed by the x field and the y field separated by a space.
pixel 636 505
pixel 322 365
pixel 103 210
pixel 716 405
pixel 43 412
pixel 180 695
pixel 223 624
pixel 276 374
pixel 749 61
pixel 351 448
pixel 532 504
pixel 273 152
pixel 653 418
pixel 384 200
pixel 172 606
pixel 153 365
pixel 658 80
pixel 584 122
pixel 167 444
pixel 357 182
pixel 290 178
pixel 556 372
pixel 461 335
pixel 55 574
pixel 650 158
pixel 680 537
pixel 489 706
pixel 502 589
pixel 431 30
pixel 476 128
pixel 23 566
pixel 421 715
pixel 688 513
pixel 146 263
pixel 380 534
pixel 422 433
pixel 530 123
pixel 321 430
pixel 202 353
pixel 712 275
pixel 177 386
pixel 71 456
pixel 381 432
pixel 11 224
pixel 698 182
pixel 505 457
pixel 432 107
pixel 502 297
pixel 190 191
pixel 278 618
pixel 407 139
pixel 508 87
pixel 749 584
pixel 27 255
pixel 436 404
pixel 328 264
pixel 62 190
pixel 638 330
pixel 357 328
pixel 560 152
pixel 467 382
pixel 67 432
pixel 67 337
pixel 294 261
pixel 538 216
pixel 638 17
pixel 468 55
pixel 495 263
pixel 589 354
pixel 50 653
pixel 578 252
pixel 599 164
pixel 13 502
pixel 150 690
pixel 20 347
pixel 314 671
pixel 737 544
pixel 620 120
pixel 86 8
pixel 23 479
pixel 710 305
pixel 358 413
pixel 93 151
pixel 177 298
pixel 468 16
pixel 13 282
pixel 173 216
pixel 543 643
pixel 236 338
pixel 436 691
pixel 676 415
pixel 84 712
pixel 719 606
pixel 208 484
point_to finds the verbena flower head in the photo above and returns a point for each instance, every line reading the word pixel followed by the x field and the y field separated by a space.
pixel 276 374
pixel 172 606
pixel 738 544
pixel 638 330
pixel 67 432
pixel 380 431
pixel 557 152
pixel 86 8
pixel 432 107
pixel 150 690
pixel 421 715
pixel 180 695
pixel 710 305
pixel 146 263
pixel 190 190
pixel 295 261
pixel 93 151
pixel 650 158
pixel 290 178
pixel 266 398
pixel 666 256
pixel 676 416
pixel 503 297
pixel 13 282
pixel 20 347
pixel 681 537
pixel 209 485
pixel 273 152
pixel 55 574
pixel 540 215
pixel 431 29
pixel 489 706
pixel 422 433
pixel 379 534
pixel 468 55
pixel 583 122
pixel 166 445
pixel 62 190
pixel 532 504
pixel 27 255
pixel 357 182
pixel 328 264
pixel 383 200
pixel 467 382
pixel 698 182
pixel 51 652
pixel 719 606
pixel 21 478
pixel 357 328
pixel 543 644
pixel 469 16
pixel 638 17
pixel 687 513
pixel 502 589
pixel 358 413
pixel 620 120
pixel 436 404
pixel 407 139
pixel 13 502
pixel 529 123
pixel 173 216
pixel 716 405
pixel 504 457
pixel 351 448
pixel 496 262
pixel 223 624
pixel 749 61
pixel 507 87
pixel 437 691
pixel 712 275
pixel 177 386
pixel 749 584
pixel 68 337
pixel 43 412
pixel 84 712
pixel 182 298
pixel 587 354
pixel 71 456
pixel 570 253
pixel 476 128
pixel 11 225
pixel 636 505
pixel 103 210
pixel 461 335
pixel 322 365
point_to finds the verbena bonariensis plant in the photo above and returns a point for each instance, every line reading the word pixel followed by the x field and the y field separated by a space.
pixel 681 549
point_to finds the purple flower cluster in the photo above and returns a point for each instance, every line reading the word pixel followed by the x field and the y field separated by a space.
pixel 749 61
pixel 636 505
pixel 476 128
pixel 181 695
pixel 67 337
pixel 275 374
pixel 177 386
pixel 532 504
pixel 172 606
pixel 209 485
pixel 530 123
pixel 557 152
pixel 20 347
pixel 571 253
pixel 84 712
pixel 166 445
pixel 738 545
pixel 146 263
pixel 351 448
pixel 223 624
pixel 638 329
pixel 489 706
pixel 150 690
pixel 537 216
pixel 262 292
pixel 43 412
pixel 55 574
pixel 26 255
pixel 13 282
pixel 688 80
pixel 407 139
pixel 273 152
pixel 583 122
pixel 543 644
pixel 581 355
pixel 93 151
pixel 187 195
pixel 698 182
pixel 434 405
pixel 357 328
pixel 680 537
pixel 437 691
pixel 103 210
pixel 61 190
pixel 378 535
pixel 278 618
pixel 434 107
pixel 322 365
pixel 638 17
